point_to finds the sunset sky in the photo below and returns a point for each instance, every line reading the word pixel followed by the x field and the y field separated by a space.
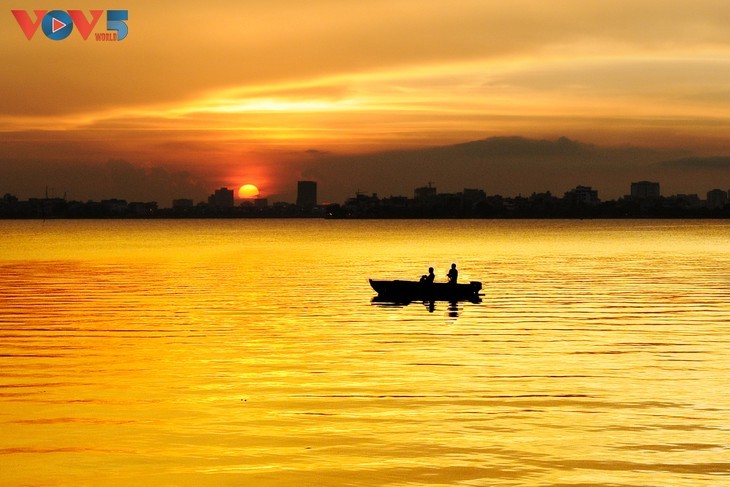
pixel 367 96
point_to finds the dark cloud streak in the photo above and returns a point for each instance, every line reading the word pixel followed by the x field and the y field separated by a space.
pixel 514 165
pixel 721 162
pixel 114 179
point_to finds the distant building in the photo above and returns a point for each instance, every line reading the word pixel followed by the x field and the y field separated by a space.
pixel 645 190
pixel 307 194
pixel 361 199
pixel 361 204
pixel 114 206
pixel 182 204
pixel 717 199
pixel 142 209
pixel 261 202
pixel 474 196
pixel 399 202
pixel 685 201
pixel 543 202
pixel 582 195
pixel 222 198
pixel 451 202
pixel 425 194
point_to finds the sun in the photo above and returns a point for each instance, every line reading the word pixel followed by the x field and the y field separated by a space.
pixel 248 191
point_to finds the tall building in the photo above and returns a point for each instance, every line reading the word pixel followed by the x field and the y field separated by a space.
pixel 717 199
pixel 222 198
pixel 307 194
pixel 645 190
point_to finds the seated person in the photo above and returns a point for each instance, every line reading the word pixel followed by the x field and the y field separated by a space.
pixel 428 278
pixel 453 274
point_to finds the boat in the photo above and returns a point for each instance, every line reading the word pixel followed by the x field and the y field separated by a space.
pixel 407 291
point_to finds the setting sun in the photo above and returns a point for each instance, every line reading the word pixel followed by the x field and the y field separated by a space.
pixel 248 191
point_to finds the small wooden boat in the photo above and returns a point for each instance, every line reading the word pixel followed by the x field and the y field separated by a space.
pixel 406 291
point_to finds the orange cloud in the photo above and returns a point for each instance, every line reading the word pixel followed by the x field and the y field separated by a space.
pixel 228 85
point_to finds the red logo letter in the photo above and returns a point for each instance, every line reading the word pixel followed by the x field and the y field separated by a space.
pixel 82 24
pixel 29 27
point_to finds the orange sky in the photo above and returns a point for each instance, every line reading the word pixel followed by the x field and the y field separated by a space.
pixel 234 92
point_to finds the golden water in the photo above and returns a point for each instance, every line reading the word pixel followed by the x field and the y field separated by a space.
pixel 249 353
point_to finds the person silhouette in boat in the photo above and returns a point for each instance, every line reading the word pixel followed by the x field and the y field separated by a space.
pixel 453 274
pixel 428 278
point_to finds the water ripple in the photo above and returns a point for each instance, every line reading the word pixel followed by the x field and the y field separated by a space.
pixel 249 352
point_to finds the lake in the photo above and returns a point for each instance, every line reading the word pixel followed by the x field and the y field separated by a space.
pixel 248 352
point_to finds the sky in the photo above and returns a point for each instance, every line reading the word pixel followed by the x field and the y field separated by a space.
pixel 378 96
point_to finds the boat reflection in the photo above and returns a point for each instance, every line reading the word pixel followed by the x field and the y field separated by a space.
pixel 453 308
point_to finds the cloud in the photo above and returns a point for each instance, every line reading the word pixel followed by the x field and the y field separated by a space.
pixel 721 162
pixel 316 152
pixel 113 179
pixel 257 43
pixel 508 166
pixel 149 183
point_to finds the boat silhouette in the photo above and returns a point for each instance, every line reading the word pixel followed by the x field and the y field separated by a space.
pixel 406 291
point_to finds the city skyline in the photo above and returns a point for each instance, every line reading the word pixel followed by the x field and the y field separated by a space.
pixel 645 199
pixel 306 194
pixel 268 94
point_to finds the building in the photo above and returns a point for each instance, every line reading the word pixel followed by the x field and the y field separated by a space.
pixel 450 202
pixel 645 190
pixel 142 209
pixel 717 199
pixel 685 201
pixel 222 198
pixel 115 206
pixel 182 204
pixel 425 194
pixel 307 194
pixel 582 195
pixel 474 196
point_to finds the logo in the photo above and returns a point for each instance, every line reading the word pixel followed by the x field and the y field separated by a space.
pixel 57 25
